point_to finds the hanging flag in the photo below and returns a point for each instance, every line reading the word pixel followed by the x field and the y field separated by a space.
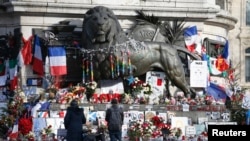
pixel 190 38
pixel 223 62
pixel 212 66
pixel 37 59
pixel 3 74
pixel 57 60
pixel 198 45
pixel 13 73
pixel 25 54
pixel 217 91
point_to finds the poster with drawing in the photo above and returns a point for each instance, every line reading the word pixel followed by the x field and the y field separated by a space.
pixel 180 122
pixel 157 81
pixel 149 115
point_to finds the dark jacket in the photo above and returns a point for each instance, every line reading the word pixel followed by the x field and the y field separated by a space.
pixel 73 121
pixel 108 113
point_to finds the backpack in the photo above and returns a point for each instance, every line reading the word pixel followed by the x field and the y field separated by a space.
pixel 115 120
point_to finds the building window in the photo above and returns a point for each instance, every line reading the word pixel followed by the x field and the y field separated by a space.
pixel 221 3
pixel 247 12
pixel 247 64
pixel 213 48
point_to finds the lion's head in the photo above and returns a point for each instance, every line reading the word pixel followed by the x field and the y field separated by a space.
pixel 100 27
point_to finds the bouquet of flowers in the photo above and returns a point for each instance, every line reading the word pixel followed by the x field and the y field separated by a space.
pixel 30 136
pixel 176 132
pixel 139 86
pixel 160 125
pixel 147 129
pixel 136 86
pixel 157 121
pixel 134 130
pixel 47 130
pixel 90 89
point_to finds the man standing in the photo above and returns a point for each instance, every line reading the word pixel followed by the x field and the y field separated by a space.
pixel 114 118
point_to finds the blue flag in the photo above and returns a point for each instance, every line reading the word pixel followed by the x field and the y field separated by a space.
pixel 216 91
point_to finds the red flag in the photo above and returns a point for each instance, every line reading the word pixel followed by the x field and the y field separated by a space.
pixel 25 57
pixel 37 59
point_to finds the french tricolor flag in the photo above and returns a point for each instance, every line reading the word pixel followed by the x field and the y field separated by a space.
pixel 190 37
pixel 57 61
pixel 37 58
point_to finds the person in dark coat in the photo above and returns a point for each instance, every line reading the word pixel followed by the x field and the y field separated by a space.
pixel 114 134
pixel 73 121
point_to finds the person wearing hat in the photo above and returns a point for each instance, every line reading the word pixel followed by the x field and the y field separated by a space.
pixel 114 117
pixel 73 121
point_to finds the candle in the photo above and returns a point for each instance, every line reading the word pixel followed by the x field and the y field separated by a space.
pixel 123 64
pixel 129 64
pixel 91 69
pixel 111 65
pixel 117 66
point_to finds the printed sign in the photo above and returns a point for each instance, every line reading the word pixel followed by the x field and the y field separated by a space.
pixel 185 107
pixel 157 81
pixel 170 115
pixel 163 116
pixel 225 116
pixel 190 130
pixel 198 74
pixel 202 120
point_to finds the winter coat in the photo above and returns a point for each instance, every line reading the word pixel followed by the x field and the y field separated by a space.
pixel 108 113
pixel 73 121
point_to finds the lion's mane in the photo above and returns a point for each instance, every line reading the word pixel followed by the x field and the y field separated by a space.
pixel 100 20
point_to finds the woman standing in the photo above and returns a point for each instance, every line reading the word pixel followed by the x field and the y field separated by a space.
pixel 73 121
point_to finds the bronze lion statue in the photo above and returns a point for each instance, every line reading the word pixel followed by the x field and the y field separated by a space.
pixel 103 35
